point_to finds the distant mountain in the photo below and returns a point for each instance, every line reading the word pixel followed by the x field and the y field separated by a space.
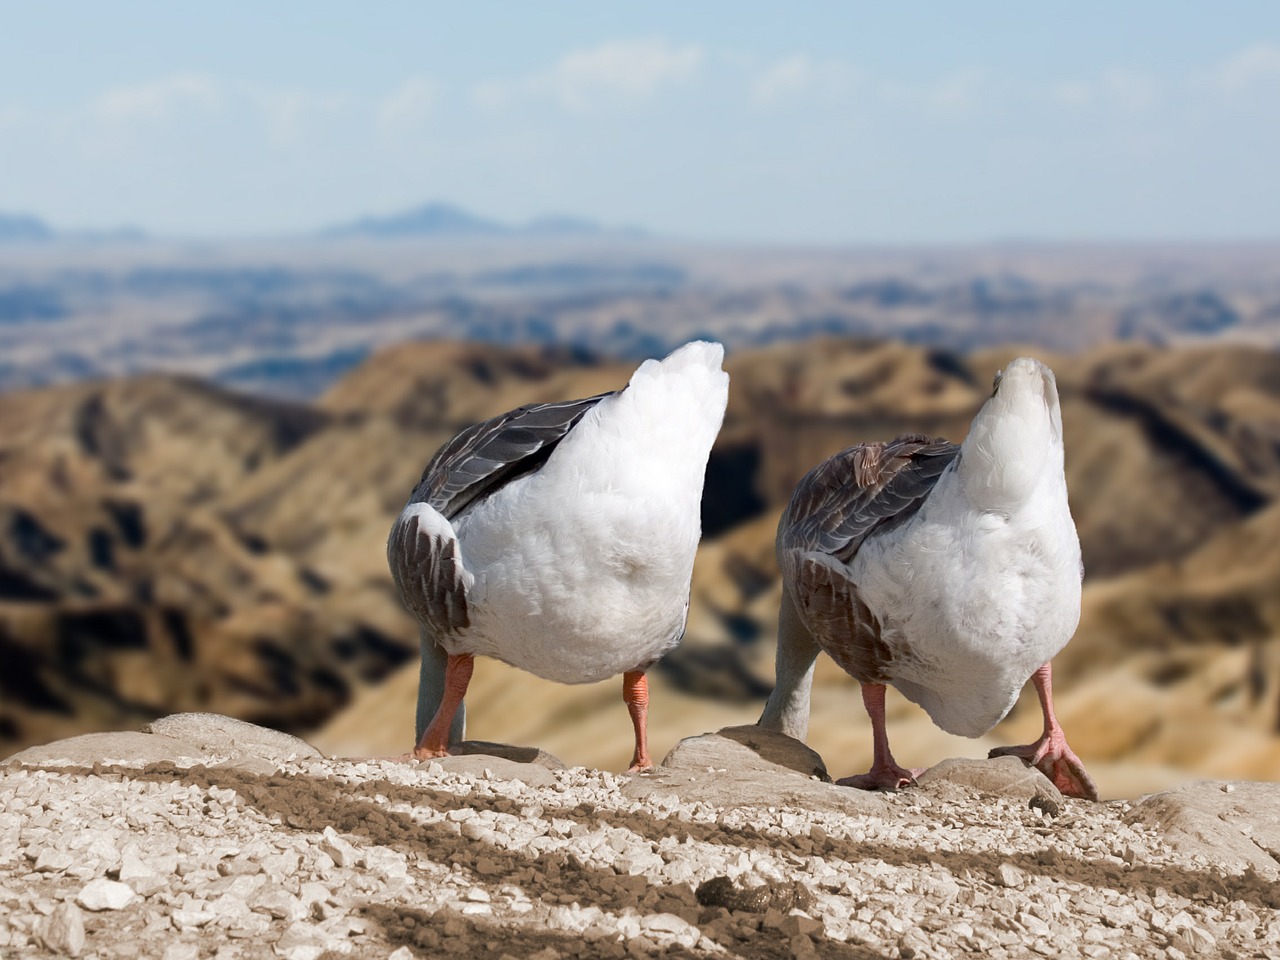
pixel 431 220
pixel 446 220
pixel 24 228
pixel 17 227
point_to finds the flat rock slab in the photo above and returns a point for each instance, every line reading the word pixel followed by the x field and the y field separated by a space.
pixel 745 749
pixel 1235 825
pixel 184 739
pixel 507 751
pixel 127 746
pixel 998 777
pixel 226 736
pixel 747 766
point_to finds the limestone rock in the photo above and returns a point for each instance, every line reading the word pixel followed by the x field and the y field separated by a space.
pixel 507 751
pixel 62 931
pixel 226 736
pixel 748 765
pixel 768 750
pixel 1237 829
pixel 91 748
pixel 998 777
pixel 475 764
pixel 103 894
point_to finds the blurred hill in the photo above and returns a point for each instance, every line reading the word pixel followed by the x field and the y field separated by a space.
pixel 168 545
pixel 290 317
pixel 447 220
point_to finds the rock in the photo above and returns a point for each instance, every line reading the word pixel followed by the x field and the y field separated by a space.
pixel 781 898
pixel 1010 876
pixel 103 894
pixel 226 736
pixel 277 903
pixel 765 751
pixel 181 951
pixel 63 930
pixel 52 861
pixel 475 764
pixel 748 765
pixel 193 918
pixel 128 746
pixel 1236 829
pixel 339 850
pixel 797 924
pixel 531 755
pixel 998 777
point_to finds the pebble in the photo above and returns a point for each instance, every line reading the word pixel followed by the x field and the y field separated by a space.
pixel 103 894
pixel 62 931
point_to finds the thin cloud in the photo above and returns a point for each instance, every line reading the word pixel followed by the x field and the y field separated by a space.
pixel 798 76
pixel 291 114
pixel 409 107
pixel 620 71
pixel 157 100
pixel 1253 66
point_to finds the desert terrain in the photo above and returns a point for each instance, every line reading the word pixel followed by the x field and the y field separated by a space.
pixel 167 545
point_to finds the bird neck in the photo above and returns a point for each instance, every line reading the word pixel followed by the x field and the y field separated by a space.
pixel 1014 444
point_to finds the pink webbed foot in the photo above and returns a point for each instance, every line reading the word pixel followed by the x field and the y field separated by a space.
pixel 889 777
pixel 1050 754
pixel 1052 757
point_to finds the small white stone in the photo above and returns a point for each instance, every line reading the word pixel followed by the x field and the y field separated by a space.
pixel 339 850
pixel 52 861
pixel 63 930
pixel 102 894
pixel 192 918
pixel 1010 876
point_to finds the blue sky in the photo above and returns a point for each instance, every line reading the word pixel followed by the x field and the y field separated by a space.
pixel 801 122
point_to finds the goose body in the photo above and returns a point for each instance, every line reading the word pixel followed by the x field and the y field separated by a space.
pixel 950 572
pixel 560 538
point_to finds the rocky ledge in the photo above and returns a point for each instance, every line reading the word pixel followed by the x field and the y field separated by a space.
pixel 206 837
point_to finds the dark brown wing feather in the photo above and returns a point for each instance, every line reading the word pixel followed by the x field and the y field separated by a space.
pixel 490 454
pixel 838 504
pixel 428 575
pixel 478 461
pixel 846 498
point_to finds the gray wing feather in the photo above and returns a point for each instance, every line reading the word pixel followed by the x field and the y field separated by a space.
pixel 425 564
pixel 490 454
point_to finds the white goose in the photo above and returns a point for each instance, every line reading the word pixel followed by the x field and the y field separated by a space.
pixel 559 538
pixel 951 572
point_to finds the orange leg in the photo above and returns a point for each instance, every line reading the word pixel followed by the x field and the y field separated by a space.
pixel 635 693
pixel 435 739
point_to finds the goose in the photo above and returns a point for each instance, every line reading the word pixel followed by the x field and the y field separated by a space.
pixel 951 572
pixel 559 538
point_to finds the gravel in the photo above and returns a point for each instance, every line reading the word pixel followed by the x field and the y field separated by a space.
pixel 324 857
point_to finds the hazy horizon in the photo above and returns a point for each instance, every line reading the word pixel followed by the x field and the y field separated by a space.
pixel 717 124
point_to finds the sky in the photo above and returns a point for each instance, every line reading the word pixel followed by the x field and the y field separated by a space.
pixel 747 122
